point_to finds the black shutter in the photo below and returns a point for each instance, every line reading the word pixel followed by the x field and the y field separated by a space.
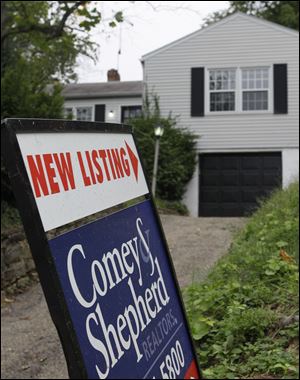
pixel 197 92
pixel 100 112
pixel 280 88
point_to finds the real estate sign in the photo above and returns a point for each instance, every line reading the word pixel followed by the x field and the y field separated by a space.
pixel 110 284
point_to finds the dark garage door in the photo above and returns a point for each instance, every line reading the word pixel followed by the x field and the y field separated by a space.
pixel 231 183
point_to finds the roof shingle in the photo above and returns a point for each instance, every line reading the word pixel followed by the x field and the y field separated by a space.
pixel 103 90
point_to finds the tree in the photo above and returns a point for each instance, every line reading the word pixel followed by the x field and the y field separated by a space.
pixel 285 13
pixel 40 41
pixel 177 157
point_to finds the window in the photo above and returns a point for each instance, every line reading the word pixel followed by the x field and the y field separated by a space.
pixel 68 113
pixel 222 87
pixel 241 89
pixel 255 88
pixel 84 113
pixel 130 112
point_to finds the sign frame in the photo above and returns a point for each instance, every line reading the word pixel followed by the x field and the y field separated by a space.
pixel 37 237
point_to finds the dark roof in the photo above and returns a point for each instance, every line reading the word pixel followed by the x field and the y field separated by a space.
pixel 103 90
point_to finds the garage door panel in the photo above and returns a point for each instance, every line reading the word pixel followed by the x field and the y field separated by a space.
pixel 250 162
pixel 250 179
pixel 229 195
pixel 251 195
pixel 210 209
pixel 271 179
pixel 230 162
pixel 210 179
pixel 272 162
pixel 210 163
pixel 230 179
pixel 232 209
pixel 231 184
pixel 210 195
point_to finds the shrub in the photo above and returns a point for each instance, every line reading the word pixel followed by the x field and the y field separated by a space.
pixel 177 155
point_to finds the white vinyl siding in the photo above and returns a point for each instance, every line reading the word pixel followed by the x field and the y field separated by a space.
pixel 239 42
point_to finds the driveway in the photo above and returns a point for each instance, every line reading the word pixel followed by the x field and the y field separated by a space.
pixel 30 347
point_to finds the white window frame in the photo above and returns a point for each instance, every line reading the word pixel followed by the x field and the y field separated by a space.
pixel 238 91
pixel 208 91
pixel 128 105
pixel 79 105
pixel 270 89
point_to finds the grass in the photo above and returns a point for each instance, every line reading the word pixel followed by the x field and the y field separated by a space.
pixel 243 317
pixel 171 207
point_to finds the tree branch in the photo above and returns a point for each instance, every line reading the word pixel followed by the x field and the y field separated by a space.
pixel 53 31
pixel 59 29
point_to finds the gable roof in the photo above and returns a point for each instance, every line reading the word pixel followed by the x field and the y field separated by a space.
pixel 218 24
pixel 114 89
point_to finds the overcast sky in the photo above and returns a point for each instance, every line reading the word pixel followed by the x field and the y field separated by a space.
pixel 147 26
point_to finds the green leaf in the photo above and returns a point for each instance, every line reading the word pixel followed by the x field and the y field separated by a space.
pixel 236 351
pixel 269 272
pixel 200 330
pixel 281 244
pixel 280 365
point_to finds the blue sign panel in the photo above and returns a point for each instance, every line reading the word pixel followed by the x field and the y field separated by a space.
pixel 116 278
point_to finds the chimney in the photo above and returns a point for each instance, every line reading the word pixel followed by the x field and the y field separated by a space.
pixel 113 75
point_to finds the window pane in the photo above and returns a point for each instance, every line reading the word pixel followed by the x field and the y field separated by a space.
pixel 258 83
pixel 222 101
pixel 84 113
pixel 232 74
pixel 131 112
pixel 221 80
pixel 256 78
pixel 255 100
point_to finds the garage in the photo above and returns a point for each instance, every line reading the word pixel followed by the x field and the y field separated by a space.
pixel 232 183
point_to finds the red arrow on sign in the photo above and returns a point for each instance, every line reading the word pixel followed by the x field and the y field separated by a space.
pixel 134 161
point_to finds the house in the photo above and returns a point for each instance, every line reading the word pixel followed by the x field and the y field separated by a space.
pixel 112 101
pixel 236 85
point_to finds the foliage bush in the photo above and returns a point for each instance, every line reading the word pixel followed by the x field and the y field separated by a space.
pixel 177 154
pixel 237 314
pixel 10 217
